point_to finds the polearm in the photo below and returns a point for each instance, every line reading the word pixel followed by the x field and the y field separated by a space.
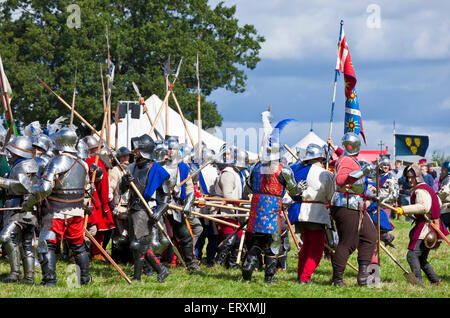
pixel 100 140
pixel 167 72
pixel 291 229
pixel 378 213
pixel 293 154
pixel 336 72
pixel 199 111
pixel 73 97
pixel 434 226
pixel 166 98
pixel 144 107
pixel 227 199
pixel 70 108
pixel 109 86
pixel 116 122
pixel 183 119
pixel 89 235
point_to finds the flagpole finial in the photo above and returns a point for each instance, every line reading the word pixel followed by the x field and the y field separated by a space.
pixel 342 22
pixel 269 108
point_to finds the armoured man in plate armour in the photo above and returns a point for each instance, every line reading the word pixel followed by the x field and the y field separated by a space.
pixel 354 226
pixel 178 220
pixel 268 182
pixel 149 177
pixel 18 231
pixel 62 188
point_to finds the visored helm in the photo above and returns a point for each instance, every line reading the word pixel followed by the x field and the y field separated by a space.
pixel 21 146
pixel 195 158
pixel 446 165
pixel 384 161
pixel 144 144
pixel 351 144
pixel 42 141
pixel 82 148
pixel 65 140
pixel 314 151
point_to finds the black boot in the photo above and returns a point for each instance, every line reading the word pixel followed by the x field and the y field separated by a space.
pixel 431 275
pixel 252 262
pixel 162 271
pixel 224 249
pixel 232 261
pixel 271 268
pixel 82 260
pixel 337 278
pixel 188 253
pixel 148 270
pixel 362 274
pixel 48 266
pixel 138 266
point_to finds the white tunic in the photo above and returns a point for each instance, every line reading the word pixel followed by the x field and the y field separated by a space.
pixel 320 188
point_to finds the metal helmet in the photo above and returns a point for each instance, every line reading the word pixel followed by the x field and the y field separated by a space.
pixel 314 151
pixel 21 146
pixel 446 165
pixel 82 148
pixel 65 140
pixel 413 171
pixel 208 155
pixel 160 152
pixel 384 161
pixel 144 144
pixel 184 151
pixel 241 158
pixel 42 141
pixel 351 144
pixel 430 239
pixel 122 151
pixel 195 152
pixel 172 142
pixel 91 142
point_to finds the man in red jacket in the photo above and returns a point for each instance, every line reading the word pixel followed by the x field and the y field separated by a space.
pixel 101 218
pixel 354 226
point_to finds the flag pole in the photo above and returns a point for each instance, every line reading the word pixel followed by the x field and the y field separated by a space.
pixel 336 72
pixel 199 114
pixel 393 133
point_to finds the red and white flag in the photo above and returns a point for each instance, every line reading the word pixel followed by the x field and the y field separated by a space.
pixel 344 65
pixel 5 87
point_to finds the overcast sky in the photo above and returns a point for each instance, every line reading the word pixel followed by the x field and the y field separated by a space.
pixel 400 51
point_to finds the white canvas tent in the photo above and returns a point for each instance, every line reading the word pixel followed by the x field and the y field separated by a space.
pixel 138 127
pixel 310 138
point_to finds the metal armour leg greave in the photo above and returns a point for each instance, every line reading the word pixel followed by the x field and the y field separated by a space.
pixel 8 239
pixel 28 255
pixel 271 267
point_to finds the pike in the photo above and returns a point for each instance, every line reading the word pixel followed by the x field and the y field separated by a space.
pixel 233 233
pixel 116 122
pixel 74 94
pixel 291 229
pixel 333 252
pixel 227 199
pixel 109 87
pixel 199 111
pixel 377 178
pixel 221 206
pixel 208 217
pixel 145 109
pixel 183 119
pixel 166 98
pixel 167 72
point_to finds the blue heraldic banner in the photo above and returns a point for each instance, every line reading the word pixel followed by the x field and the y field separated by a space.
pixel 410 145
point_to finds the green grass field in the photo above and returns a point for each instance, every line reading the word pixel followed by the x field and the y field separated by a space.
pixel 217 282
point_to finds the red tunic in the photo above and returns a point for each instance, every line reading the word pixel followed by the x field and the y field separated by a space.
pixel 101 215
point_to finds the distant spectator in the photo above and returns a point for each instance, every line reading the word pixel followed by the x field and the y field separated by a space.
pixel 435 176
pixel 398 169
pixel 426 176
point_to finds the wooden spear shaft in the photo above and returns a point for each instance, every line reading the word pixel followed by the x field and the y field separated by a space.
pixel 225 207
pixel 241 245
pixel 179 208
pixel 160 109
pixel 183 119
pixel 291 229
pixel 93 240
pixel 227 199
